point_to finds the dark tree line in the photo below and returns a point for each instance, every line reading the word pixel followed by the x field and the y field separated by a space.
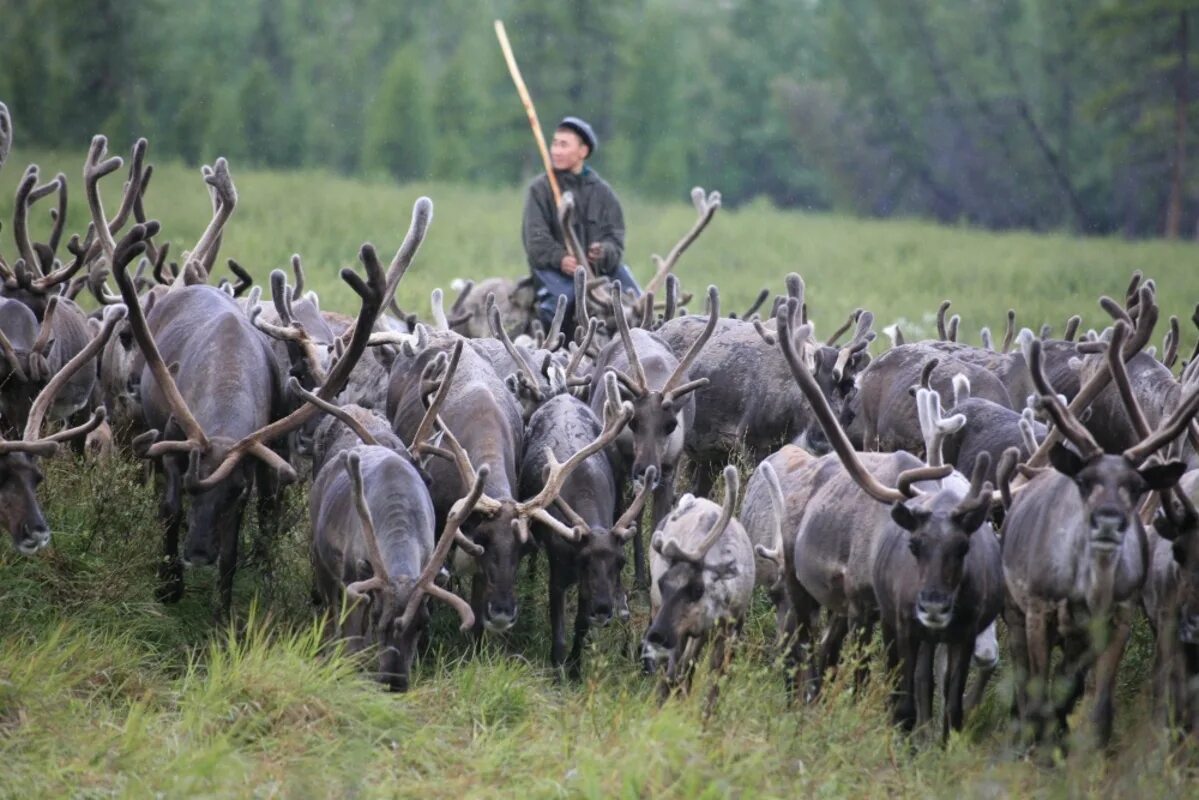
pixel 1005 113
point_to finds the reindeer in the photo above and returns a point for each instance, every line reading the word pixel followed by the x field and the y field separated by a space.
pixel 783 473
pixel 221 403
pixel 587 500
pixel 1171 593
pixel 372 542
pixel 661 392
pixel 36 281
pixel 699 590
pixel 482 421
pixel 20 513
pixel 913 556
pixel 751 402
pixel 1074 558
pixel 1171 602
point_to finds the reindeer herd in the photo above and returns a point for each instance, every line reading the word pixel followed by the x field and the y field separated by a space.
pixel 928 490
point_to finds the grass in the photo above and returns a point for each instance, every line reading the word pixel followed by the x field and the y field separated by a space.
pixel 105 692
pixel 901 270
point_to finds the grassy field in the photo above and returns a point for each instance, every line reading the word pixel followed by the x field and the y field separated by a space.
pixel 105 692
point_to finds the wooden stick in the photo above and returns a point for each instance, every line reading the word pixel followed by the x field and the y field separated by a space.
pixel 523 91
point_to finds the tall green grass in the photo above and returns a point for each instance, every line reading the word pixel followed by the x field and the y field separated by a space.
pixel 105 692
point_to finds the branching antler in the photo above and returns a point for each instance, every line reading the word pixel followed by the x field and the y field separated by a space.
pixel 706 206
pixel 675 552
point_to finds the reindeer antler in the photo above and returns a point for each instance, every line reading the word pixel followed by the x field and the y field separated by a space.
pixel 934 426
pixel 424 582
pixel 358 590
pixel 774 553
pixel 675 552
pixel 706 206
pixel 674 388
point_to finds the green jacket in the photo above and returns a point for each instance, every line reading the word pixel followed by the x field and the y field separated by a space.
pixel 598 218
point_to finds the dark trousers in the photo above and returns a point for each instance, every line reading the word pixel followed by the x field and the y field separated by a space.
pixel 551 283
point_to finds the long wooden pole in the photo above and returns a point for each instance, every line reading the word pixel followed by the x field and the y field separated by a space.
pixel 523 91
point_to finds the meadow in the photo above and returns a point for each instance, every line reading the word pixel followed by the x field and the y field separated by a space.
pixel 105 692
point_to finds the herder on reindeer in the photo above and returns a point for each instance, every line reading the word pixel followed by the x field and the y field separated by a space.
pixel 599 223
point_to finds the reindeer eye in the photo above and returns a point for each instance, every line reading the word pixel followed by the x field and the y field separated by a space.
pixel 671 424
pixel 633 425
pixel 695 591
pixel 916 546
pixel 961 549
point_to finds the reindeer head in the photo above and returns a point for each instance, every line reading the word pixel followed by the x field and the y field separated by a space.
pixel 683 587
pixel 656 430
pixel 20 513
pixel 940 527
pixel 600 558
pixel 1111 486
pixel 397 612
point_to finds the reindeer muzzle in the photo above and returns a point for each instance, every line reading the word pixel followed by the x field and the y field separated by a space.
pixel 1107 529
pixel 934 610
pixel 499 620
pixel 33 538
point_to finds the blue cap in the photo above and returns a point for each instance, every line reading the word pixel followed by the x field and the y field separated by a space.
pixel 584 130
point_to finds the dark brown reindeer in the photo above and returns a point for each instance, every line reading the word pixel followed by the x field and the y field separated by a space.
pixel 912 556
pixel 703 579
pixel 589 497
pixel 661 392
pixel 1074 559
pixel 20 513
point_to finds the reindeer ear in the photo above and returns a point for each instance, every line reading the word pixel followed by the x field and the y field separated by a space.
pixel 1162 476
pixel 907 518
pixel 1066 461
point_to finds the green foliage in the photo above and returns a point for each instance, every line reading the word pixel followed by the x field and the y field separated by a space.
pixel 1042 114
pixel 399 131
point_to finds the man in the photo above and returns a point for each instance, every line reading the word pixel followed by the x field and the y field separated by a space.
pixel 598 221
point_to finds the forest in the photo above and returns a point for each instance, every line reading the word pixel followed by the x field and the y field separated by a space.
pixel 1067 115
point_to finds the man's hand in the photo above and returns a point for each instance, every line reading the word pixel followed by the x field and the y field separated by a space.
pixel 569 264
pixel 595 251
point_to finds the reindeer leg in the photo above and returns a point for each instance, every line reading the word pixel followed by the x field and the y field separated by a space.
pixel 170 510
pixel 1105 675
pixel 1018 646
pixel 575 661
pixel 1070 682
pixel 557 614
pixel 1037 636
pixel 907 649
pixel 835 632
pixel 958 655
pixel 227 565
pixel 922 683
pixel 270 513
pixel 1187 686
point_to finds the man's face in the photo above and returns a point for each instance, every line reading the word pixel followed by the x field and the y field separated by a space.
pixel 567 150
